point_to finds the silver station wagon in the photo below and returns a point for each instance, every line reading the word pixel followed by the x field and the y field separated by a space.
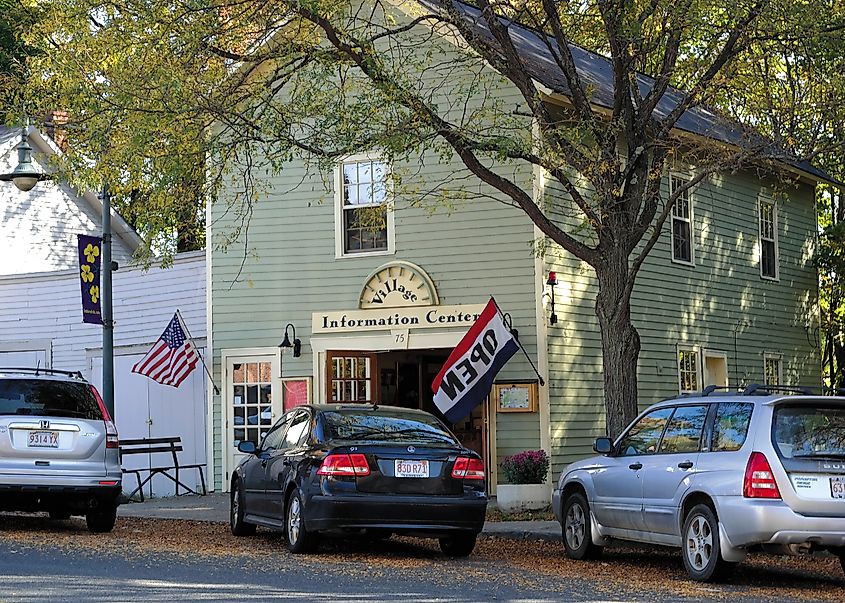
pixel 718 475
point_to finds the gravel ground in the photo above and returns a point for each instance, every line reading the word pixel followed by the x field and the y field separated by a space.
pixel 625 572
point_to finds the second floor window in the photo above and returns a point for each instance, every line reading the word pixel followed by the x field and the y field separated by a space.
pixel 768 239
pixel 363 205
pixel 689 374
pixel 681 222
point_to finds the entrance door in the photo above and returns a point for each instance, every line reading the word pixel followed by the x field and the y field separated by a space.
pixel 253 402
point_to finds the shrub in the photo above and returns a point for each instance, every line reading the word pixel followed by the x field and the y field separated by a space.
pixel 528 467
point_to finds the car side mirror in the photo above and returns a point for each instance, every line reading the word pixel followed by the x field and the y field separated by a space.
pixel 247 447
pixel 603 445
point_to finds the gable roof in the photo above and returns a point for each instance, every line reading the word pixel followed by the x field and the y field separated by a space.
pixel 9 138
pixel 596 72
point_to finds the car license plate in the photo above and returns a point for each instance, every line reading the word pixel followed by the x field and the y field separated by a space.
pixel 411 469
pixel 43 439
pixel 837 487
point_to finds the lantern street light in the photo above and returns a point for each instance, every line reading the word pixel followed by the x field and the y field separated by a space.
pixel 25 176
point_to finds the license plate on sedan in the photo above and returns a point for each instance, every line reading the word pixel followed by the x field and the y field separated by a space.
pixel 43 439
pixel 837 487
pixel 411 468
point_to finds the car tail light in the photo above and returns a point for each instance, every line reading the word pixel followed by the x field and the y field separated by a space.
pixel 112 440
pixel 759 480
pixel 344 465
pixel 468 468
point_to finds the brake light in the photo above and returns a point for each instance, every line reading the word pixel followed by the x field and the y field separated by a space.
pixel 759 481
pixel 344 465
pixel 112 440
pixel 468 468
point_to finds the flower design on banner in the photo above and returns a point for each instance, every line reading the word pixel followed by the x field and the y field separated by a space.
pixel 95 293
pixel 91 252
pixel 87 275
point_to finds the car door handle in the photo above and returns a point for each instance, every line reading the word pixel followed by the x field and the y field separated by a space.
pixel 635 466
pixel 685 465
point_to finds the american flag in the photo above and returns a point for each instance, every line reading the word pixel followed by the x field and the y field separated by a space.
pixel 172 357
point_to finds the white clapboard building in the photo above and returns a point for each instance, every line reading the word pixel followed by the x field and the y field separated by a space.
pixel 41 315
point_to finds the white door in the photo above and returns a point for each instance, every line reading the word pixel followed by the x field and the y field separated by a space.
pixel 253 403
pixel 146 409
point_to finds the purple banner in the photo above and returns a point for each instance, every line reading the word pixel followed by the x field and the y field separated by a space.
pixel 89 275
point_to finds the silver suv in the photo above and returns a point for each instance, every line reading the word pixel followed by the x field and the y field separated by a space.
pixel 718 475
pixel 58 447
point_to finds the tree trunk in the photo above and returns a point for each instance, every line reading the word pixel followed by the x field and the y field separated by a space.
pixel 620 342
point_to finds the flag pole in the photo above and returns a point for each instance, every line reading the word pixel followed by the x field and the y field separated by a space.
pixel 515 333
pixel 191 337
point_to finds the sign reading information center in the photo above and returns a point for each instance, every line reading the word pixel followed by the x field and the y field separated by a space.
pixel 411 317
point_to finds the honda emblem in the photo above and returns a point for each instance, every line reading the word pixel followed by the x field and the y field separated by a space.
pixel 45 424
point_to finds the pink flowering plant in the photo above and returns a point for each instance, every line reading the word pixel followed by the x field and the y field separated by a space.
pixel 527 467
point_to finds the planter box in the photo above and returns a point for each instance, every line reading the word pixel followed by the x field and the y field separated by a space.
pixel 512 498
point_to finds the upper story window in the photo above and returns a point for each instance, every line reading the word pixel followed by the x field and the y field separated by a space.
pixel 689 370
pixel 682 248
pixel 773 369
pixel 364 222
pixel 768 239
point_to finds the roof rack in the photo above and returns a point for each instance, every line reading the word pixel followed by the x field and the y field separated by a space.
pixel 805 390
pixel 38 371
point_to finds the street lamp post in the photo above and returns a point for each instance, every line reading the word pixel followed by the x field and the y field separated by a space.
pixel 25 176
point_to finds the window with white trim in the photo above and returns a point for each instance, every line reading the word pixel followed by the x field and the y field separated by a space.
pixel 689 369
pixel 364 222
pixel 768 239
pixel 773 369
pixel 682 247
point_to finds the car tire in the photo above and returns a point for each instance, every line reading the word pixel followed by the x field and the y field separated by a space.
pixel 459 545
pixel 102 519
pixel 299 539
pixel 236 513
pixel 577 529
pixel 59 515
pixel 842 561
pixel 701 549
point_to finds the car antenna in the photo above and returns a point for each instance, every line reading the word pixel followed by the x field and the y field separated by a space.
pixel 37 366
pixel 375 406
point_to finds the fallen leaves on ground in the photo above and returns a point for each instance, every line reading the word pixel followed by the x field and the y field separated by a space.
pixel 536 565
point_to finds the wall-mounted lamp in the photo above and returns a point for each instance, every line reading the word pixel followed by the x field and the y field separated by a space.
pixel 286 342
pixel 552 282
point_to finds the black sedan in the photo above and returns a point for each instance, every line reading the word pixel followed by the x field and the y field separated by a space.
pixel 360 469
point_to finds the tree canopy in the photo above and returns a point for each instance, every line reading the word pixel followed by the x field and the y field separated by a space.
pixel 171 99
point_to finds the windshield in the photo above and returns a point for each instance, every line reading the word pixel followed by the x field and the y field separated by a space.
pixel 45 398
pixel 395 427
pixel 810 431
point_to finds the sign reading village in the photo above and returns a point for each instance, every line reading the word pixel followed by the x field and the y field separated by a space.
pixel 410 317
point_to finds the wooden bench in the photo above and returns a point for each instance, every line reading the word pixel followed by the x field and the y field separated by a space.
pixel 173 445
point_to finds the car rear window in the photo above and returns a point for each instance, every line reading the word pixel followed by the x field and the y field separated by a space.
pixel 804 431
pixel 33 397
pixel 730 427
pixel 399 427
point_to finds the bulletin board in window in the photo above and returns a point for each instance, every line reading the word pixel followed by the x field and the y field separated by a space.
pixel 296 391
pixel 515 397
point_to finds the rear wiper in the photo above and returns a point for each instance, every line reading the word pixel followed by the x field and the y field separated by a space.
pixel 819 455
pixel 63 412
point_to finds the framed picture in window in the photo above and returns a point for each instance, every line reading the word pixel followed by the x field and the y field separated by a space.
pixel 296 391
pixel 515 397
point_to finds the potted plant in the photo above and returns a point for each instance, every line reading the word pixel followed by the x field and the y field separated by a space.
pixel 526 489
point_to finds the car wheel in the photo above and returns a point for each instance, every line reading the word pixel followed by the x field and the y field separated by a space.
pixel 101 519
pixel 701 548
pixel 460 545
pixel 59 515
pixel 236 513
pixel 299 539
pixel 577 529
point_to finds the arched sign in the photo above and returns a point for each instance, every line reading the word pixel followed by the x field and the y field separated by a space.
pixel 398 284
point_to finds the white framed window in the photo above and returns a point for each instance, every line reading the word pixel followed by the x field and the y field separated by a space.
pixel 768 219
pixel 689 369
pixel 773 368
pixel 363 212
pixel 683 250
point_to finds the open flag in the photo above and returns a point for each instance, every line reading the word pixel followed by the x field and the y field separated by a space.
pixel 467 376
pixel 172 357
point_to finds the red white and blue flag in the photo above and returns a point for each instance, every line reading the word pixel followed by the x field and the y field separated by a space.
pixel 172 357
pixel 467 377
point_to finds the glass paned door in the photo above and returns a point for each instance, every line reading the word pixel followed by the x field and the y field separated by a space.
pixel 253 393
pixel 351 377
